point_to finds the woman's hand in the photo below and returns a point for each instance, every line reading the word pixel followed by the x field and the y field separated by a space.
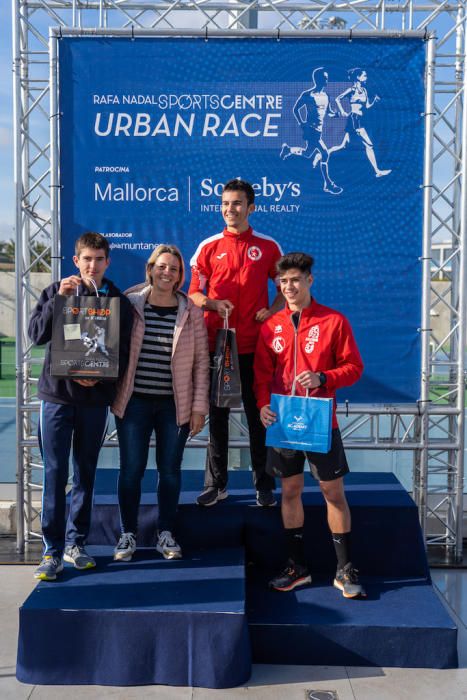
pixel 197 422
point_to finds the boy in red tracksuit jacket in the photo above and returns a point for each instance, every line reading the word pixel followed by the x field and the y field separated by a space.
pixel 313 346
pixel 230 273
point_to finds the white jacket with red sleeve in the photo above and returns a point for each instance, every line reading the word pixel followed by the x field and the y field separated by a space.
pixel 323 342
pixel 236 267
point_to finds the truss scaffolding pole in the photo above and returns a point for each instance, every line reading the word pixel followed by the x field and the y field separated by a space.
pixel 54 158
pixel 18 178
pixel 462 321
pixel 421 458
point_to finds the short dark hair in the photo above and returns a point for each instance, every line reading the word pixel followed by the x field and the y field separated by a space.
pixel 92 240
pixel 300 261
pixel 238 185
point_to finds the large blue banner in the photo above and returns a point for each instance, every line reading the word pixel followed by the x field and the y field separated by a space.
pixel 329 131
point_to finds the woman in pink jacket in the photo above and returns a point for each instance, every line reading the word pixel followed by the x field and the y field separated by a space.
pixel 165 389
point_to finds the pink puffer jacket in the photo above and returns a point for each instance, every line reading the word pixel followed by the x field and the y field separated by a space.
pixel 190 357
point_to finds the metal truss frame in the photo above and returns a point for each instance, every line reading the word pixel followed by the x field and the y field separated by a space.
pixel 433 429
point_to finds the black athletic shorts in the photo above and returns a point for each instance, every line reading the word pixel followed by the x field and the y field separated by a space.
pixel 323 466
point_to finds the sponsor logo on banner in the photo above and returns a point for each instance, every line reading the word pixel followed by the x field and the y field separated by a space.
pixel 278 344
pixel 271 197
pixel 254 253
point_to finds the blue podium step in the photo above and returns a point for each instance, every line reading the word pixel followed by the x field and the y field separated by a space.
pixel 401 623
pixel 386 535
pixel 148 621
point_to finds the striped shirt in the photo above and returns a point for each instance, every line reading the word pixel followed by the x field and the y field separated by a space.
pixel 153 375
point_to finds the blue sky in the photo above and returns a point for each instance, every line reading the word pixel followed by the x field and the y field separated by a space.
pixel 7 191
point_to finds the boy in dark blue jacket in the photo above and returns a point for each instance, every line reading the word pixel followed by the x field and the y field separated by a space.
pixel 73 415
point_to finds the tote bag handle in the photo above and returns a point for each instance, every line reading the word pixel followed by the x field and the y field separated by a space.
pixel 93 284
pixel 307 392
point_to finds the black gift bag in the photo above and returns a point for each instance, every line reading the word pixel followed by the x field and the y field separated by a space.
pixel 226 388
pixel 85 337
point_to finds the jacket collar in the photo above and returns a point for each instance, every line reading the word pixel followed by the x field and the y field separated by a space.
pixel 307 311
pixel 244 236
pixel 140 292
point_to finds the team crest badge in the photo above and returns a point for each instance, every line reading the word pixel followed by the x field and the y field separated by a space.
pixel 278 344
pixel 254 253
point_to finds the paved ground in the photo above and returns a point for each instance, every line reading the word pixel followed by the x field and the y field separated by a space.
pixel 267 682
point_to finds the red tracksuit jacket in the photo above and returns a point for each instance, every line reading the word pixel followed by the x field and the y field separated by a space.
pixel 235 267
pixel 324 342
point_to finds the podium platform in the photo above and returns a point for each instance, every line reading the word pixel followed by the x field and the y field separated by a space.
pixel 148 621
pixel 202 620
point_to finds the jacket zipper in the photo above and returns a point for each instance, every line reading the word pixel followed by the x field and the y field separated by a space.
pixel 295 327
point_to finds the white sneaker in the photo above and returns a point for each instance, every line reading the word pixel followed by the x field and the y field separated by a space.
pixel 126 547
pixel 167 546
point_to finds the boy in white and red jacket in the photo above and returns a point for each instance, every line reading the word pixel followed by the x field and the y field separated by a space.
pixel 314 346
pixel 230 273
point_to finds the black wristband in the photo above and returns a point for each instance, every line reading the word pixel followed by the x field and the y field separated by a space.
pixel 322 379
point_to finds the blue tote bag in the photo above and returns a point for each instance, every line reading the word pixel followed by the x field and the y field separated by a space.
pixel 303 423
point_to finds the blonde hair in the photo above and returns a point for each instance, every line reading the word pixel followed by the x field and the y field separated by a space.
pixel 160 250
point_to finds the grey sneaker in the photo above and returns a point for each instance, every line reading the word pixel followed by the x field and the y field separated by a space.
pixel 76 555
pixel 265 499
pixel 211 495
pixel 48 568
pixel 126 547
pixel 347 581
pixel 293 576
pixel 167 546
